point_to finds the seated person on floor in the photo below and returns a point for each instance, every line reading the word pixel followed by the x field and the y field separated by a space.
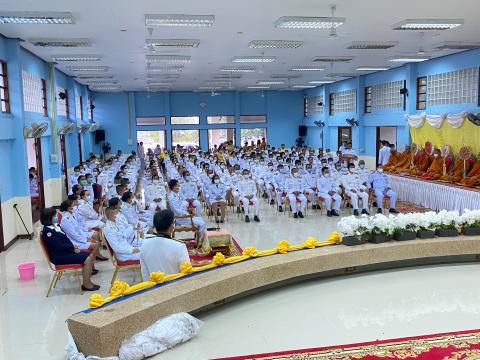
pixel 61 250
pixel 378 181
pixel 435 171
pixel 473 176
pixel 162 253
pixel 394 158
pixel 404 163
pixel 120 244
pixel 423 162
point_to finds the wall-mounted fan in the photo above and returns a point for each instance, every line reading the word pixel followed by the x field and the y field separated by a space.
pixel 319 123
pixel 83 128
pixel 352 122
pixel 67 128
pixel 94 127
pixel 62 95
pixel 36 130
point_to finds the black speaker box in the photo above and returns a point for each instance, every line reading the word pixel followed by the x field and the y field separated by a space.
pixel 99 136
pixel 302 130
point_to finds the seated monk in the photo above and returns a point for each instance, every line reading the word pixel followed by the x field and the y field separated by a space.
pixel 404 164
pixel 456 174
pixel 421 165
pixel 435 170
pixel 473 176
pixel 394 158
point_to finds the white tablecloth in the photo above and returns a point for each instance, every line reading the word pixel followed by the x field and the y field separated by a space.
pixel 433 195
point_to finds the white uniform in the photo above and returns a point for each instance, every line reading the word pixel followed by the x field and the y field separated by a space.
pixel 189 190
pixel 217 191
pixel 326 185
pixel 247 187
pixel 156 191
pixel 180 207
pixel 381 187
pixel 279 184
pixel 352 182
pixel 310 185
pixel 295 184
pixel 75 231
pixel 120 244
pixel 90 217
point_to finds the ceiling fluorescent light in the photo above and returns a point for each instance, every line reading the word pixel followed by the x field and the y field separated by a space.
pixel 285 76
pixel 174 20
pixel 161 83
pixel 341 75
pixel 87 68
pixel 105 88
pixel 407 59
pixel 270 82
pixel 97 82
pixel 227 76
pixel 156 44
pixel 331 59
pixel 210 88
pixel 371 45
pixel 53 42
pixel 36 17
pixel 372 68
pixel 456 45
pixel 303 86
pixel 94 76
pixel 258 87
pixel 274 44
pixel 253 59
pixel 238 69
pixel 320 82
pixel 163 76
pixel 176 59
pixel 306 68
pixel 427 24
pixel 165 69
pixel 307 22
pixel 217 82
pixel 76 58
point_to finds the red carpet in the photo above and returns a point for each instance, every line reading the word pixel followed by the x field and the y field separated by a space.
pixel 406 207
pixel 461 345
pixel 197 260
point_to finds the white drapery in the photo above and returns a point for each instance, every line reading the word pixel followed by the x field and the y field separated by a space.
pixel 436 121
pixel 434 196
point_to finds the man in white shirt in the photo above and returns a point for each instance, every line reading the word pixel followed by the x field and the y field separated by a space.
pixel 294 189
pixel 355 190
pixel 384 153
pixel 247 189
pixel 162 253
pixel 121 246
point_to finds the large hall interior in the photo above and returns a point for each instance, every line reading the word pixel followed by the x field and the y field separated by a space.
pixel 274 179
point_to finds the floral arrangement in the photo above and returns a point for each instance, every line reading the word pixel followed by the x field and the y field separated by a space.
pixel 354 226
pixel 426 221
pixel 382 225
pixel 406 222
pixel 447 219
pixel 470 218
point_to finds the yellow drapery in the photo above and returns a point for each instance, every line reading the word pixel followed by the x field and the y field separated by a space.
pixel 467 134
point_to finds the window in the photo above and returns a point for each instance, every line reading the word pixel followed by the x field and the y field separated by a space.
pixel 185 120
pixel 219 136
pixel 387 96
pixel 331 104
pixel 159 120
pixel 151 139
pixel 368 99
pixel 344 135
pixel 62 104
pixel 454 87
pixel 221 119
pixel 78 107
pixel 345 101
pixel 422 93
pixel 251 119
pixel 4 96
pixel 90 109
pixel 188 138
pixel 314 105
pixel 254 134
pixel 34 93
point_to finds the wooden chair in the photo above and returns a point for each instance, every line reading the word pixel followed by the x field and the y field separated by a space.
pixel 121 266
pixel 61 270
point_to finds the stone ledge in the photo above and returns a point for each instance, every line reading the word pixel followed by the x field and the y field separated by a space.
pixel 102 331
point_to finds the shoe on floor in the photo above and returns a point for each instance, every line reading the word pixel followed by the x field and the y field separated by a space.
pixel 93 288
pixel 280 208
pixel 379 211
pixel 221 221
pixel 256 219
pixel 365 212
pixel 393 211
pixel 335 213
pixel 238 209
pixel 247 219
pixel 355 212
pixel 329 213
pixel 217 221
pixel 271 202
pixel 295 216
pixel 300 215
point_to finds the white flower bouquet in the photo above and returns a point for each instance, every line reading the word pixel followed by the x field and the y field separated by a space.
pixel 354 226
pixel 427 221
pixel 447 220
pixel 470 222
pixel 382 225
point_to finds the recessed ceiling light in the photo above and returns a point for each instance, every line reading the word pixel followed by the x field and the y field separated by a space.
pixel 372 68
pixel 163 76
pixel 53 42
pixel 427 24
pixel 101 82
pixel 217 82
pixel 371 45
pixel 275 44
pixel 320 82
pixel 456 45
pixel 36 17
pixel 253 59
pixel 156 44
pixel 94 76
pixel 76 58
pixel 270 82
pixel 87 68
pixel 258 87
pixel 341 75
pixel 308 22
pixel 166 69
pixel 407 59
pixel 306 68
pixel 210 87
pixel 123 30
pixel 331 59
pixel 105 88
pixel 159 83
pixel 227 76
pixel 303 86
pixel 176 59
pixel 179 20
pixel 285 76
pixel 237 69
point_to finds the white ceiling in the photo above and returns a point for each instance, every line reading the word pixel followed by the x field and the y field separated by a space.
pixel 236 24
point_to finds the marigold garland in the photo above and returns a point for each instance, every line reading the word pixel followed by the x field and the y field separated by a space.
pixel 121 288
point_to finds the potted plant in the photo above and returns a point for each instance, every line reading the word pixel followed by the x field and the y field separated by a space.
pixel 470 222
pixel 447 223
pixel 426 224
pixel 382 229
pixel 354 230
pixel 405 227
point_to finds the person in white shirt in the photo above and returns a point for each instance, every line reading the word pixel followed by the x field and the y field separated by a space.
pixel 121 246
pixel 189 192
pixel 355 190
pixel 384 153
pixel 218 198
pixel 247 189
pixel 310 184
pixel 162 253
pixel 155 194
pixel 294 189
pixel 328 191
pixel 91 218
pixel 279 184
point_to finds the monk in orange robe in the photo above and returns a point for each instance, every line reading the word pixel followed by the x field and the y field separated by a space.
pixel 405 163
pixel 456 174
pixel 435 170
pixel 421 165
pixel 473 176
pixel 395 158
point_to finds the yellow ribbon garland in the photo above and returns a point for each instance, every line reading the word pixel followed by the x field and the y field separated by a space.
pixel 121 288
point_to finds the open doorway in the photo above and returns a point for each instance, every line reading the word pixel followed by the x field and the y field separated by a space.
pixel 152 138
pixel 344 135
pixel 388 133
pixel 35 173
pixel 63 156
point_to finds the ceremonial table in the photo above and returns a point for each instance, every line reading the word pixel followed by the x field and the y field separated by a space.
pixel 434 195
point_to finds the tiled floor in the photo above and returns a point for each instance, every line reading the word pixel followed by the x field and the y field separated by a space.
pixel 324 312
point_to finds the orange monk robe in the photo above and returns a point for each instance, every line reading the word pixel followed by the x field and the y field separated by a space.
pixel 473 175
pixel 392 161
pixel 456 174
pixel 435 170
pixel 404 164
pixel 422 165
